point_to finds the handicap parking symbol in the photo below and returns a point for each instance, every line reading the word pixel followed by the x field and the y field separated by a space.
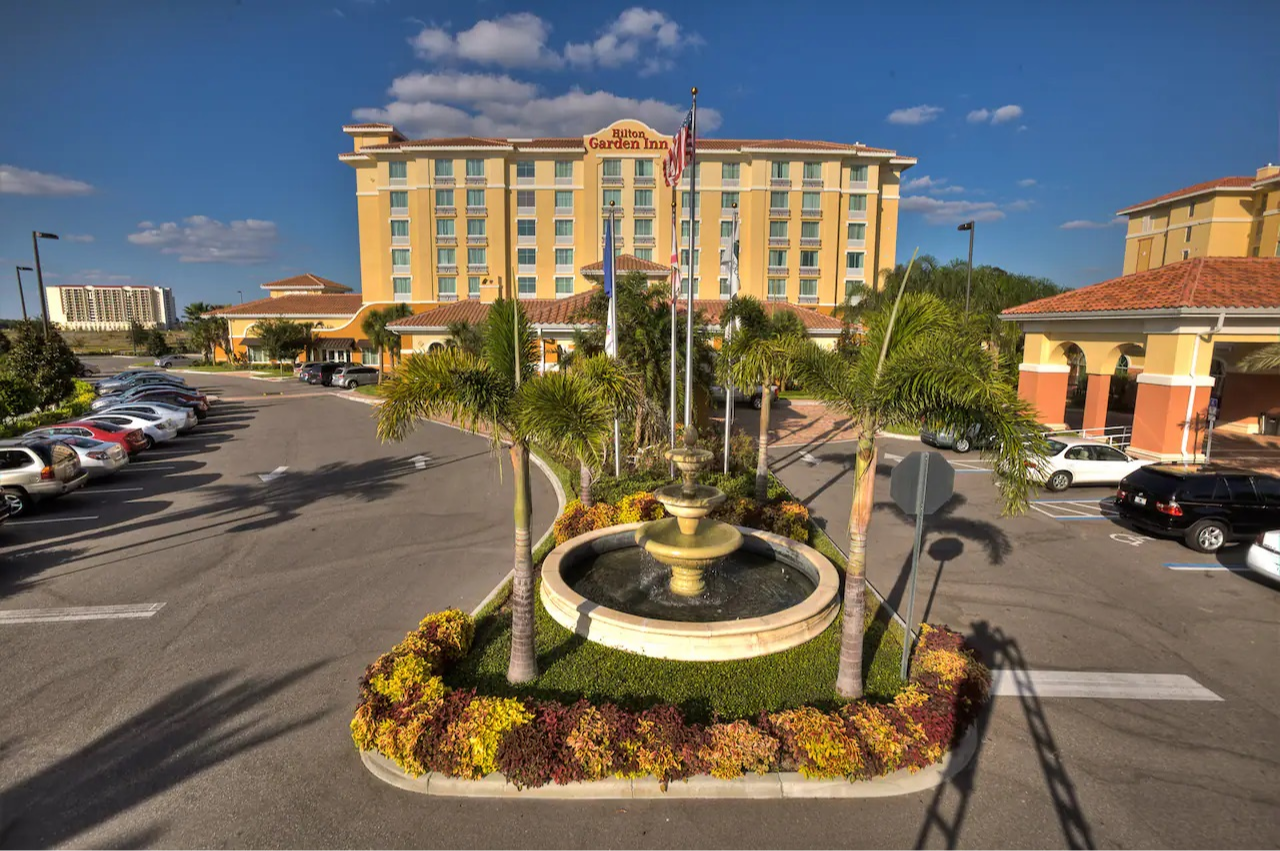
pixel 1130 538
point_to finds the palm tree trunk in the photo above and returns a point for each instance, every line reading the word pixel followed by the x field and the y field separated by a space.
pixel 849 676
pixel 381 353
pixel 584 484
pixel 762 460
pixel 523 665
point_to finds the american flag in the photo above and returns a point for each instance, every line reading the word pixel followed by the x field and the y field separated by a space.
pixel 680 152
pixel 675 261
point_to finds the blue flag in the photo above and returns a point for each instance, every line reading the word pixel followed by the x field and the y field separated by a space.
pixel 611 331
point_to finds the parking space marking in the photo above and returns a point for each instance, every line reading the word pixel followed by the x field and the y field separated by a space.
pixel 135 466
pixel 1074 509
pixel 80 613
pixel 970 467
pixel 53 520
pixel 1189 565
pixel 113 490
pixel 1091 684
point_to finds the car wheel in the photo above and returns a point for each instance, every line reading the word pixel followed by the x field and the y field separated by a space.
pixel 351 385
pixel 19 501
pixel 1059 481
pixel 757 402
pixel 1207 536
pixel 962 445
pixel 148 442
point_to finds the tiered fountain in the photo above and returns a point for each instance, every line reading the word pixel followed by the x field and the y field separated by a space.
pixel 686 586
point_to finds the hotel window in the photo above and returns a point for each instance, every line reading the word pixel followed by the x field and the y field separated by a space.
pixel 475 227
pixel 401 288
pixel 858 202
pixel 444 168
pixel 778 230
pixel 475 197
pixel 684 229
pixel 612 168
pixel 446 257
pixel 810 201
pixel 778 257
pixel 726 230
pixel 564 287
pixel 475 168
pixel 644 197
pixel 1185 254
pixel 398 170
pixel 854 259
pixel 684 287
pixel 780 171
pixel 810 230
pixel 564 227
pixel 852 287
pixel 857 230
pixel 858 174
pixel 524 168
pixel 368 357
pixel 1191 210
pixel 564 200
pixel 643 253
pixel 399 200
pixel 778 200
pixel 527 287
pixel 808 258
pixel 724 288
pixel 644 227
pixel 778 288
pixel 813 171
pixel 449 288
pixel 399 257
pixel 1146 224
pixel 444 197
pixel 477 257
pixel 644 168
pixel 684 257
pixel 728 200
pixel 526 227
pixel 400 228
pixel 526 256
pixel 1188 236
pixel 524 198
pixel 809 289
pixel 684 200
pixel 611 196
pixel 473 287
pixel 564 256
pixel 564 169
pixel 730 171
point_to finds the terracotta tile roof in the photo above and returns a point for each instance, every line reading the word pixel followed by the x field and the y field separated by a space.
pixel 1197 189
pixel 812 319
pixel 307 281
pixel 371 125
pixel 307 304
pixel 569 142
pixel 1240 283
pixel 627 263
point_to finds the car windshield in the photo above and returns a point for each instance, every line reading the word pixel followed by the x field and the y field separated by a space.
pixel 1055 446
pixel 80 442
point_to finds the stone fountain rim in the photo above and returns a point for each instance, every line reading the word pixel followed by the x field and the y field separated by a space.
pixel 821 605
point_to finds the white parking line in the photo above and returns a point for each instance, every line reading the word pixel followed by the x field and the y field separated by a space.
pixel 140 466
pixel 1074 509
pixel 112 490
pixel 53 520
pixel 80 613
pixel 1012 683
pixel 1234 568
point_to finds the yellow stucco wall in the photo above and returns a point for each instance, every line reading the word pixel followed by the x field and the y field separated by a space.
pixel 1216 223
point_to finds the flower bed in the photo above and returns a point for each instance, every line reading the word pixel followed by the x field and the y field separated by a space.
pixel 780 516
pixel 408 714
pixel 75 405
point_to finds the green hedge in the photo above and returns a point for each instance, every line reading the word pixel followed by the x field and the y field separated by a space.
pixel 76 405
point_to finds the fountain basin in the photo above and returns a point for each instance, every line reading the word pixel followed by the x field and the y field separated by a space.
pixel 692 640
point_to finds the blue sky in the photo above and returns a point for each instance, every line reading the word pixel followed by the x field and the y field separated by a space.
pixel 194 144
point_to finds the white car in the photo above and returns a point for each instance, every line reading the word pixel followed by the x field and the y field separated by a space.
pixel 1264 555
pixel 152 427
pixel 173 360
pixel 98 458
pixel 1076 461
pixel 178 419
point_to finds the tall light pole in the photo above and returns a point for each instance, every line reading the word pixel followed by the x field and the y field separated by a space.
pixel 969 280
pixel 241 294
pixel 36 236
pixel 21 295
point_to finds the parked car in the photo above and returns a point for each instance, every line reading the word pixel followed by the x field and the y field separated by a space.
pixel 134 394
pixel 131 440
pixel 34 469
pixel 740 395
pixel 972 438
pixel 1207 507
pixel 86 370
pixel 154 429
pixel 351 375
pixel 1264 555
pixel 182 419
pixel 1079 461
pixel 300 367
pixel 196 402
pixel 98 458
pixel 115 383
pixel 321 373
pixel 173 360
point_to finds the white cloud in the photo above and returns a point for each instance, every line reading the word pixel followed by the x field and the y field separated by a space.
pixel 922 114
pixel 573 113
pixel 78 237
pixel 1000 115
pixel 1022 128
pixel 924 181
pixel 637 34
pixel 1027 182
pixel 511 41
pixel 93 276
pixel 978 116
pixel 946 190
pixel 200 239
pixel 1019 206
pixel 939 212
pixel 1085 224
pixel 22 181
pixel 453 87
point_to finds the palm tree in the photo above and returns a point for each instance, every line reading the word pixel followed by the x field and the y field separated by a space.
pixel 194 312
pixel 916 359
pixel 759 352
pixel 616 386
pixel 393 341
pixel 466 336
pixel 1268 357
pixel 374 328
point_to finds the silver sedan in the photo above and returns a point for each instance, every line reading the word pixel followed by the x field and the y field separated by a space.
pixel 98 458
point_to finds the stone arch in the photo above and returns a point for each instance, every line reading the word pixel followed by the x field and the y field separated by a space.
pixel 435 347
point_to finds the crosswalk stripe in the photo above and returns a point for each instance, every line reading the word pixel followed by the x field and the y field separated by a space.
pixel 1097 684
pixel 79 613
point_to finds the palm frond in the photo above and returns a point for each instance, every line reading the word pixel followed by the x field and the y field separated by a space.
pixel 503 332
pixel 449 383
pixel 612 381
pixel 1266 358
pixel 563 411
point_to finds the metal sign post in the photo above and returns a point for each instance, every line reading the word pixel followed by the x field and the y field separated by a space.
pixel 915 562
pixel 1212 417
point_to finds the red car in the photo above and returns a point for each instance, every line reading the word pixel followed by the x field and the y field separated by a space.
pixel 131 440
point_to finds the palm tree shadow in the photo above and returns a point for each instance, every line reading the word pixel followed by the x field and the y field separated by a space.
pixel 184 733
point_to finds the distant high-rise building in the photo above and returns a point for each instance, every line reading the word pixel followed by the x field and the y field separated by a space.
pixel 90 307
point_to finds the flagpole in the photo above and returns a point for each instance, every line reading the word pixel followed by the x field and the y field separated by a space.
pixel 675 296
pixel 693 246
pixel 613 324
pixel 725 330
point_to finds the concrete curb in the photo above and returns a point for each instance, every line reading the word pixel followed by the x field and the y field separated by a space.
pixel 775 785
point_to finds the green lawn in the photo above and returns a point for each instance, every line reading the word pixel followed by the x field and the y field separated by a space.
pixel 369 390
pixel 216 367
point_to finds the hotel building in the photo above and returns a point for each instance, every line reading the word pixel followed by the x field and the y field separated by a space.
pixel 91 307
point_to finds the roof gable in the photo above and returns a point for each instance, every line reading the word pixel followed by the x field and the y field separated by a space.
pixel 1191 191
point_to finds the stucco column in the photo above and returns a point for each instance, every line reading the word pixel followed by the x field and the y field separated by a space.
pixel 1097 395
pixel 1045 387
pixel 1160 414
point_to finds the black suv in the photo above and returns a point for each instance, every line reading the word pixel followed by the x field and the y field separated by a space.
pixel 1206 506
pixel 321 373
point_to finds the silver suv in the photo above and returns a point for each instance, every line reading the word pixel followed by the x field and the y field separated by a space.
pixel 34 469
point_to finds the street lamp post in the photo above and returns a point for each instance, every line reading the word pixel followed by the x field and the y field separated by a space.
pixel 36 236
pixel 241 294
pixel 969 280
pixel 21 295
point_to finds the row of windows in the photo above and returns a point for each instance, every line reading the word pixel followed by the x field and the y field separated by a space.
pixel 398 170
pixel 527 287
pixel 643 198
pixel 640 227
pixel 479 256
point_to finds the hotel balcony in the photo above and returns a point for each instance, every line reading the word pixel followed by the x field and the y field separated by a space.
pixel 400 270
pixel 810 242
pixel 810 212
pixel 446 240
pixel 857 184
pixel 808 299
pixel 642 240
pixel 443 181
pixel 561 211
pixel 477 239
pixel 398 181
pixel 644 211
pixel 400 240
pixel 447 269
pixel 446 211
pixel 478 268
pixel 610 181
pixel 564 268
pixel 777 297
pixel 403 296
pixel 779 241
pixel 778 271
pixel 779 183
pixel 477 211
pixel 564 181
pixel 780 212
pixel 448 296
pixel 643 181
pixel 729 182
pixel 809 272
pixel 524 181
pixel 476 180
pixel 811 183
